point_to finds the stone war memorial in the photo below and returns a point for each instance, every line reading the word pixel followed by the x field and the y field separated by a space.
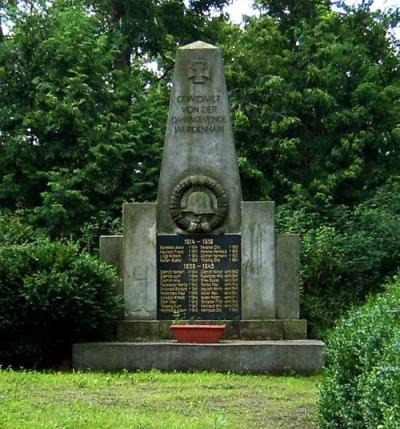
pixel 201 254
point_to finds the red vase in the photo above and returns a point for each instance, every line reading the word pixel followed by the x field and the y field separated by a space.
pixel 198 333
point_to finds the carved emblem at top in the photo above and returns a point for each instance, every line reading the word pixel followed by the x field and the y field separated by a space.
pixel 199 72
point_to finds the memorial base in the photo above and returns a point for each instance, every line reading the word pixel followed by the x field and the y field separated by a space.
pixel 284 329
pixel 274 357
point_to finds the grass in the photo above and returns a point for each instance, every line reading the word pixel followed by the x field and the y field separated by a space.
pixel 154 400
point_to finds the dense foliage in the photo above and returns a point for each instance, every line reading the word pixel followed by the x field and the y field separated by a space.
pixel 315 103
pixel 362 385
pixel 51 295
pixel 344 261
pixel 66 154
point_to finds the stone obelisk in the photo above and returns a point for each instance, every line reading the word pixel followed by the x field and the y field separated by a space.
pixel 200 250
pixel 199 140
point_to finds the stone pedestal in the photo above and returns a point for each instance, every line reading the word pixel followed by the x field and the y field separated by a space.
pixel 139 257
pixel 258 260
pixel 272 357
pixel 287 276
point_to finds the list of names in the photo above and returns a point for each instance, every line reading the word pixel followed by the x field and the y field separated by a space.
pixel 198 277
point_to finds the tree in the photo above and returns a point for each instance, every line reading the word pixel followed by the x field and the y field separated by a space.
pixel 151 29
pixel 65 152
pixel 82 117
pixel 314 95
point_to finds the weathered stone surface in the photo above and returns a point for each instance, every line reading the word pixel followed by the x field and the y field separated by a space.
pixel 258 260
pixel 139 249
pixel 294 329
pixel 287 276
pixel 276 357
pixel 111 252
pixel 261 330
pixel 199 138
pixel 134 330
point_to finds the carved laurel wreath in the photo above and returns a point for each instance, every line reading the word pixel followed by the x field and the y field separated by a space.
pixel 176 210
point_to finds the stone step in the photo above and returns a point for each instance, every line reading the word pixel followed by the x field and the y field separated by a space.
pixel 275 357
pixel 284 329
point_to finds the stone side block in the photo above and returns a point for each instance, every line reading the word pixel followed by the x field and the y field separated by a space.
pixel 139 257
pixel 261 330
pixel 232 330
pixel 258 260
pixel 287 276
pixel 275 357
pixel 131 330
pixel 111 252
pixel 294 329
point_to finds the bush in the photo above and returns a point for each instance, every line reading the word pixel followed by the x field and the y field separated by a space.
pixel 346 254
pixel 14 231
pixel 362 385
pixel 51 295
pixel 380 403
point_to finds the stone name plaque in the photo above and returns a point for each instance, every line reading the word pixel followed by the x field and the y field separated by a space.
pixel 198 277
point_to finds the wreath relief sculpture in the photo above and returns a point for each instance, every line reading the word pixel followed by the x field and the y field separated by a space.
pixel 198 204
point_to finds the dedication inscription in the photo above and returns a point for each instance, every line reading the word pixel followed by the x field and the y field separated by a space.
pixel 198 277
pixel 199 114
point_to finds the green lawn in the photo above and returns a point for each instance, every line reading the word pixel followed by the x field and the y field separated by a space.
pixel 154 400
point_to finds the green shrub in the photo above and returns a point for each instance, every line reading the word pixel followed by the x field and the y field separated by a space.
pixel 346 254
pixel 51 295
pixel 362 385
pixel 380 403
pixel 14 231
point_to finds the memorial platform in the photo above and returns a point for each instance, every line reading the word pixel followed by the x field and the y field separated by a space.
pixel 201 254
pixel 273 357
